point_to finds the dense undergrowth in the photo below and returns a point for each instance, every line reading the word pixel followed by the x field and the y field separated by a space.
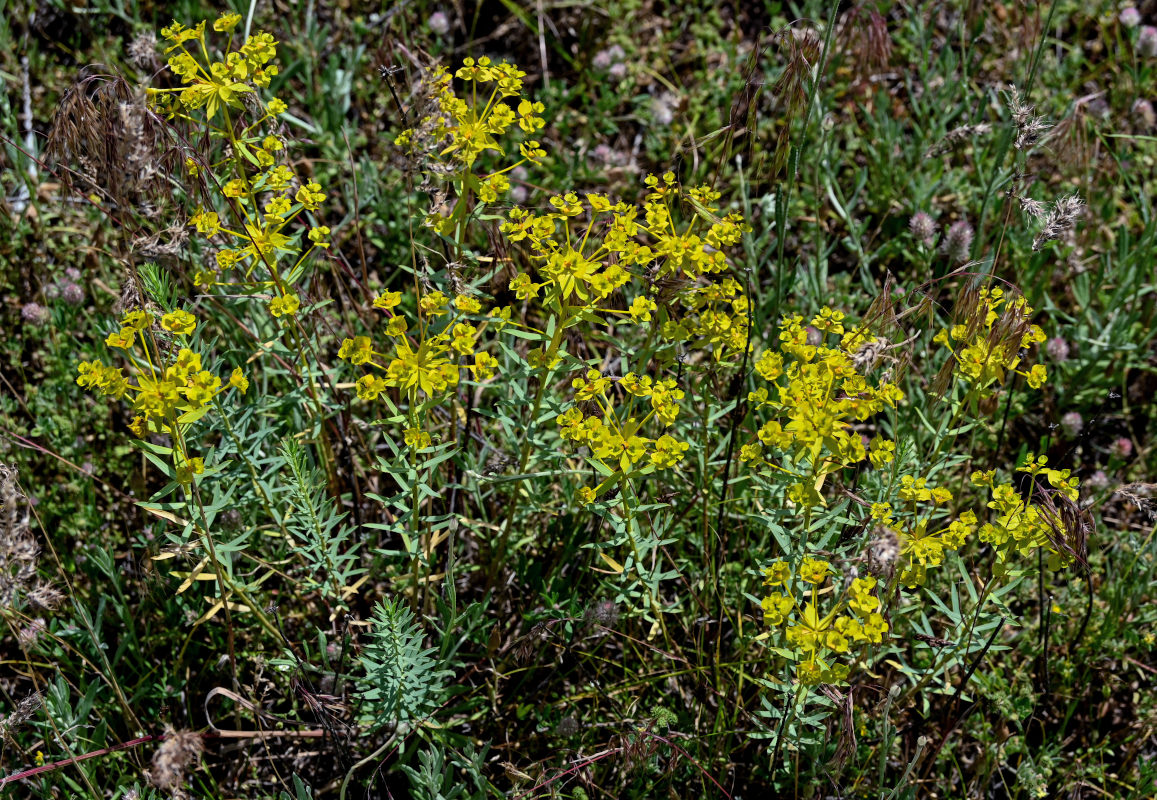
pixel 537 400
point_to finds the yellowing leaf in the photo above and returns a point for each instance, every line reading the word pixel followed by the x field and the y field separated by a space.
pixel 615 566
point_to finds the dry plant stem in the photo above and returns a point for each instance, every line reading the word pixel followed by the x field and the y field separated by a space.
pixel 55 765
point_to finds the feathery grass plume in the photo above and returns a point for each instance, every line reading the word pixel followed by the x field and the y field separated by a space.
pixel 867 40
pixel 883 551
pixel 142 51
pixel 103 127
pixel 180 751
pixel 18 548
pixel 1030 128
pixel 1033 208
pixel 19 715
pixel 1141 496
pixel 790 91
pixel 956 138
pixel 1060 219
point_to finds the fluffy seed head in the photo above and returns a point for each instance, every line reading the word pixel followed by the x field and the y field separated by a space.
pixel 608 57
pixel 1143 115
pixel 1072 424
pixel 72 293
pixel 179 751
pixel 604 613
pixel 439 23
pixel 1121 448
pixel 1060 219
pixel 1147 42
pixel 1058 349
pixel 34 314
pixel 958 241
pixel 922 228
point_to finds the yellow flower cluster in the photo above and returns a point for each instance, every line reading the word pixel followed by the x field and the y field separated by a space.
pixel 585 249
pixel 614 440
pixel 989 340
pixel 819 638
pixel 218 85
pixel 429 365
pixel 1019 524
pixel 265 197
pixel 814 394
pixel 923 542
pixel 166 396
pixel 464 129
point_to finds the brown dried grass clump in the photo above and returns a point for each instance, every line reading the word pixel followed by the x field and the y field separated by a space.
pixel 107 141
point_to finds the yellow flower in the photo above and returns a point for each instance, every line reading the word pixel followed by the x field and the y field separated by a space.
pixel 532 151
pixel 370 386
pixel 523 288
pixel 357 350
pixel 484 366
pixel 776 607
pixel 642 308
pixel 424 369
pixel 317 235
pixel 286 304
pixel 238 381
pixel 226 22
pixel 180 322
pixel 123 338
pixel 137 320
pixel 397 327
pixel 668 452
pixel 186 471
pixel 776 573
pixel 433 303
pixel 814 570
pixel 416 438
pixel 527 119
pixel 467 304
pixel 1037 376
pixel 388 300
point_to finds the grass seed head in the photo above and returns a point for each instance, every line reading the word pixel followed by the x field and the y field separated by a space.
pixel 180 751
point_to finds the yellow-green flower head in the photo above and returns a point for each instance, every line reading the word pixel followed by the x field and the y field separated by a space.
pixel 777 573
pixel 284 305
pixel 180 322
pixel 814 570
